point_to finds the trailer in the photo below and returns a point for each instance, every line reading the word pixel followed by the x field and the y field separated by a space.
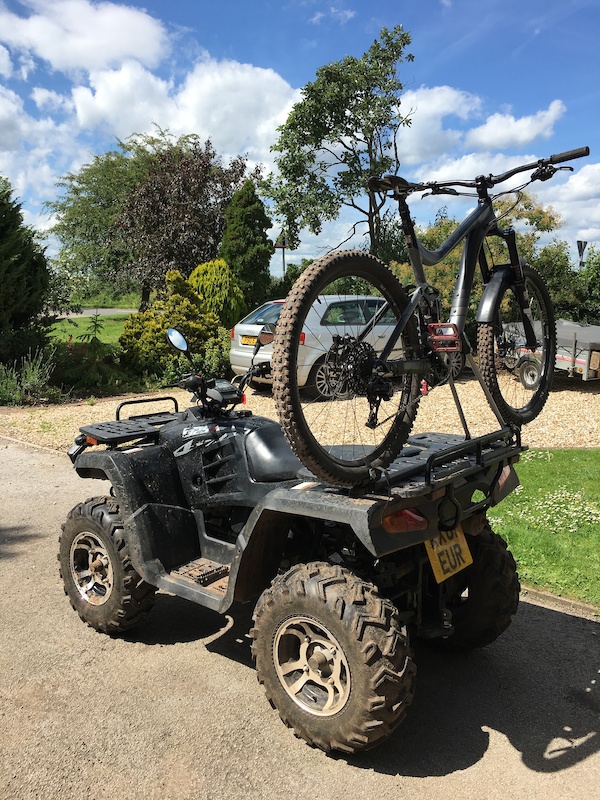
pixel 578 349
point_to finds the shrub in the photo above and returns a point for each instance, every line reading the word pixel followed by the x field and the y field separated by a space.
pixel 144 341
pixel 219 290
pixel 28 382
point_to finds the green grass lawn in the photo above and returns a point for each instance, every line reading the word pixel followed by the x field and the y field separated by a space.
pixel 110 328
pixel 552 522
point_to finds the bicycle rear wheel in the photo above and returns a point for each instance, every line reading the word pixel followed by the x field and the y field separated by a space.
pixel 324 314
pixel 519 378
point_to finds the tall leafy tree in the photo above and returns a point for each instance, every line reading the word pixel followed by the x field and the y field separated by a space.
pixel 589 283
pixel 92 254
pixel 245 246
pixel 174 219
pixel 152 204
pixel 342 131
pixel 24 280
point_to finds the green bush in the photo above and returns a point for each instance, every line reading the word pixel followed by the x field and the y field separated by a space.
pixel 144 340
pixel 91 366
pixel 219 290
pixel 28 382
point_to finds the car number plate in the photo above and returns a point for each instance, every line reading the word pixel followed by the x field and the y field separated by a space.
pixel 249 340
pixel 448 553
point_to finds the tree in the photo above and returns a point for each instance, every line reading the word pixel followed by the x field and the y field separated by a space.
pixel 91 253
pixel 219 291
pixel 175 218
pixel 246 246
pixel 342 131
pixel 392 244
pixel 554 263
pixel 135 212
pixel 280 287
pixel 24 280
pixel 589 283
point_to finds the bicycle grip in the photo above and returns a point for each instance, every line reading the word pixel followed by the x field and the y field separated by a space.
pixel 569 155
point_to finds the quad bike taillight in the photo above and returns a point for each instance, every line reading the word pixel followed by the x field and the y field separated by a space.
pixel 404 520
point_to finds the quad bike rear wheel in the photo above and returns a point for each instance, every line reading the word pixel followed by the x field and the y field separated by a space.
pixel 484 597
pixel 333 657
pixel 98 576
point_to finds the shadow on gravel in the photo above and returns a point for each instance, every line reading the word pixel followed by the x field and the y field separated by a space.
pixel 538 685
pixel 562 383
pixel 174 620
pixel 14 538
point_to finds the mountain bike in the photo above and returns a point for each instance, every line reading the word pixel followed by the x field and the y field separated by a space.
pixel 384 355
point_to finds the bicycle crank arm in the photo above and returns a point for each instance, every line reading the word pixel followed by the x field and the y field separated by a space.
pixel 416 366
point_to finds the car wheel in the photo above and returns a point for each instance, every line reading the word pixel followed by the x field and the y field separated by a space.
pixel 319 383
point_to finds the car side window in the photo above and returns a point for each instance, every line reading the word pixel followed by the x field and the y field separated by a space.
pixel 374 306
pixel 344 312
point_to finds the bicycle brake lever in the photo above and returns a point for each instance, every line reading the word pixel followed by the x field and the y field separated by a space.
pixel 545 172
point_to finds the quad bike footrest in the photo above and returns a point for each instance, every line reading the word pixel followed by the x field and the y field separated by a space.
pixel 205 573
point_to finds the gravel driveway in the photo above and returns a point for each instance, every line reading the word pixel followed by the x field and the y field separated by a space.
pixel 571 417
pixel 173 710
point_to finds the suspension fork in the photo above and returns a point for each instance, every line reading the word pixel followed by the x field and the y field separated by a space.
pixel 520 291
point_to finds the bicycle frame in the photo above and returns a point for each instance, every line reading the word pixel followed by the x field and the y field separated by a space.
pixel 479 224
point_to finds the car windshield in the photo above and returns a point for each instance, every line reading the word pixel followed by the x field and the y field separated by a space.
pixel 268 314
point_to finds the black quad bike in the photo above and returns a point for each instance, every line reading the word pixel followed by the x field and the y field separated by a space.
pixel 212 505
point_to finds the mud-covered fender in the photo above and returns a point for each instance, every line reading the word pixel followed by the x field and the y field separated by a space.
pixel 498 283
pixel 159 527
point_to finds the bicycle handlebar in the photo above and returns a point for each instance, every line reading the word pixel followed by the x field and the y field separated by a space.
pixel 400 186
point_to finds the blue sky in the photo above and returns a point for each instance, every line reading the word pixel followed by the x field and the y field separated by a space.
pixel 493 83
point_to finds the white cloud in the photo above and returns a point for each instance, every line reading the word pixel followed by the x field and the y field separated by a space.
pixel 506 131
pixel 79 34
pixel 5 63
pixel 48 100
pixel 11 112
pixel 237 105
pixel 577 200
pixel 122 101
pixel 427 138
pixel 336 13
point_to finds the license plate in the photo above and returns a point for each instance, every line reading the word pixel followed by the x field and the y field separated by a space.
pixel 448 553
pixel 249 340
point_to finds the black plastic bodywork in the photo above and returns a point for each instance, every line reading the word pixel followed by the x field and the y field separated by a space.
pixel 208 504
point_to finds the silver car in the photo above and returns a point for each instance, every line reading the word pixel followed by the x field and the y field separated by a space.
pixel 330 314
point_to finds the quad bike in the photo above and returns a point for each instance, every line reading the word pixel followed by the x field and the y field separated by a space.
pixel 212 505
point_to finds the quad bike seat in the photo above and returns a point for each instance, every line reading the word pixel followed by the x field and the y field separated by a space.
pixel 270 458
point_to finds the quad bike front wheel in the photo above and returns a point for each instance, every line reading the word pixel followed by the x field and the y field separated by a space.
pixel 333 657
pixel 99 578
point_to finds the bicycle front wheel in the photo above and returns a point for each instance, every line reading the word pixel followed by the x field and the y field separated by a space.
pixel 345 416
pixel 519 377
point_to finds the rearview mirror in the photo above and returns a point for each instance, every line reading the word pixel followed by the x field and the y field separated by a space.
pixel 177 340
pixel 265 336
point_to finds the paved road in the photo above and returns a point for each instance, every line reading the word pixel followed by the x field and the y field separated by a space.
pixel 173 710
pixel 103 312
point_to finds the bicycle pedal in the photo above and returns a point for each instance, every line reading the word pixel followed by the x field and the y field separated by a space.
pixel 444 337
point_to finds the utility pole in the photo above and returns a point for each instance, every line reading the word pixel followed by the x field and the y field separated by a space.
pixel 581 250
pixel 280 244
